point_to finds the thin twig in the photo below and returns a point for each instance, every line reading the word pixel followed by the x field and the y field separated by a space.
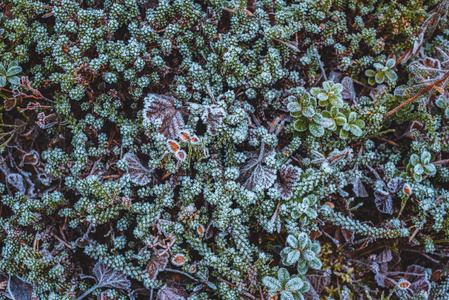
pixel 419 94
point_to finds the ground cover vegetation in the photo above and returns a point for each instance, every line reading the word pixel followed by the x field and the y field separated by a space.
pixel 243 149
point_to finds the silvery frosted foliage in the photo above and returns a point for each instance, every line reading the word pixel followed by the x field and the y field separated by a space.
pixel 301 251
pixel 177 144
pixel 286 287
pixel 419 165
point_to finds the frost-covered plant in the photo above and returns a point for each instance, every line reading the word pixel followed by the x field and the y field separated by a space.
pixel 329 94
pixel 10 74
pixel 302 251
pixel 286 286
pixel 443 103
pixel 383 73
pixel 419 165
pixel 306 115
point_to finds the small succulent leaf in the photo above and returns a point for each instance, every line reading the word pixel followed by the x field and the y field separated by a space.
pixel 414 159
pixel 343 134
pixel 305 288
pixel 430 169
pixel 315 247
pixel 13 71
pixel 446 113
pixel 359 123
pixel 14 80
pixel 340 120
pixel 2 80
pixel 292 241
pixel 370 73
pixel 327 85
pixel 391 75
pixel 308 111
pixel 440 102
pixel 426 157
pixel 303 238
pixel 300 125
pixel 315 263
pixel 302 266
pixel 315 91
pixel 418 169
pixel 336 101
pixel 294 284
pixel 13 64
pixel 283 276
pixel 338 88
pixel 325 122
pixel 352 117
pixel 356 130
pixel 272 283
pixel 371 81
pixel 417 177
pixel 308 255
pixel 390 63
pixel 316 130
pixel 322 97
pixel 378 66
pixel 287 295
pixel 293 107
pixel 2 70
pixel 380 77
pixel 292 257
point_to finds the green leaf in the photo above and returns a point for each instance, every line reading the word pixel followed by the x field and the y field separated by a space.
pixel 315 263
pixel 430 169
pixel 425 157
pixel 292 257
pixel 2 70
pixel 308 111
pixel 371 81
pixel 13 71
pixel 440 102
pixel 446 113
pixel 391 75
pixel 390 63
pixel 298 296
pixel 340 120
pixel 316 130
pixel 294 284
pixel 343 134
pixel 272 283
pixel 359 123
pixel 2 81
pixel 293 107
pixel 370 73
pixel 305 288
pixel 418 169
pixel 283 276
pixel 356 130
pixel 336 101
pixel 300 125
pixel 287 295
pixel 352 117
pixel 322 97
pixel 292 241
pixel 315 247
pixel 378 66
pixel 14 80
pixel 380 77
pixel 315 91
pixel 338 88
pixel 414 159
pixel 417 177
pixel 13 64
pixel 303 238
pixel 302 266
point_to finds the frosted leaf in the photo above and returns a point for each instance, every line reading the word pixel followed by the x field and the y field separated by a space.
pixel 384 256
pixel 254 173
pixel 172 291
pixel 348 88
pixel 317 284
pixel 384 201
pixel 137 172
pixel 213 117
pixel 110 277
pixel 384 281
pixel 358 188
pixel 157 263
pixel 19 289
pixel 161 107
pixel 288 175
pixel 31 158
pixel 17 181
pixel 395 184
